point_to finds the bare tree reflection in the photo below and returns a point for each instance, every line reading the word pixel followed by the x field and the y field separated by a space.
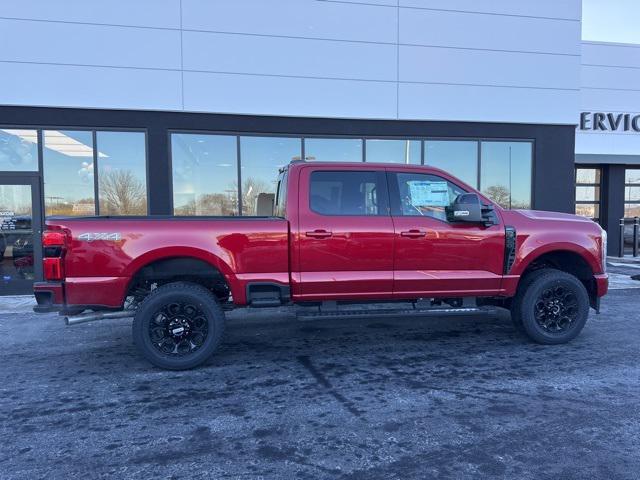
pixel 121 193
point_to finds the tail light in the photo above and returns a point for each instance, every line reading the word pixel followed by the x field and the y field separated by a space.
pixel 54 244
pixel 54 238
pixel 52 268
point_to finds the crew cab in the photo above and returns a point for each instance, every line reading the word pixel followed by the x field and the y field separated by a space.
pixel 339 233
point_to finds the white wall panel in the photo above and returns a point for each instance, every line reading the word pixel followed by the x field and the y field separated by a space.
pixel 568 9
pixel 391 3
pixel 497 32
pixel 610 82
pixel 288 56
pixel 51 42
pixel 610 54
pixel 487 104
pixel 626 144
pixel 301 57
pixel 149 13
pixel 596 144
pixel 70 86
pixel 298 18
pixel 608 143
pixel 253 94
pixel 484 67
pixel 610 100
pixel 610 77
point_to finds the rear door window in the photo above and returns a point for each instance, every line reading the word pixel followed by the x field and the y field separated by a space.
pixel 348 193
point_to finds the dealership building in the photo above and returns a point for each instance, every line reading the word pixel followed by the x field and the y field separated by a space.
pixel 190 107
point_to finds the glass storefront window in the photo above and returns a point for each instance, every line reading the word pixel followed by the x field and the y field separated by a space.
pixel 632 176
pixel 262 158
pixel 505 173
pixel 16 239
pixel 632 192
pixel 588 193
pixel 632 210
pixel 18 150
pixel 588 176
pixel 68 172
pixel 393 151
pixel 205 174
pixel 122 173
pixel 333 149
pixel 589 210
pixel 459 158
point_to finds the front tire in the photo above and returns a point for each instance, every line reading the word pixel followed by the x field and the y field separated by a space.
pixel 551 307
pixel 178 326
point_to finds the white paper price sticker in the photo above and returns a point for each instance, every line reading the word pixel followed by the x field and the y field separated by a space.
pixel 429 194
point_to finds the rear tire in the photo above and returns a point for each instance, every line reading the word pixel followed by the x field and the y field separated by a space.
pixel 551 307
pixel 178 326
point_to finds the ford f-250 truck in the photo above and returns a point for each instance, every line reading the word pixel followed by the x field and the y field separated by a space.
pixel 339 233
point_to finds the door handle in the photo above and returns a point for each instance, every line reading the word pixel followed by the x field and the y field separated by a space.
pixel 319 234
pixel 413 233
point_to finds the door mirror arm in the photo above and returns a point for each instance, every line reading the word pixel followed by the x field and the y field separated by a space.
pixel 488 215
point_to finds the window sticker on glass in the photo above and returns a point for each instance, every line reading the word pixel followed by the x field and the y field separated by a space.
pixel 429 194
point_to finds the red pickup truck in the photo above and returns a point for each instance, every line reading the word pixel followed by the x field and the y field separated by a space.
pixel 340 233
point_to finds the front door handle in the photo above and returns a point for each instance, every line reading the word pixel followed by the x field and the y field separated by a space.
pixel 413 233
pixel 319 234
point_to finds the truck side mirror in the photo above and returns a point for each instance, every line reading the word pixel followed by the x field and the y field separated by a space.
pixel 465 208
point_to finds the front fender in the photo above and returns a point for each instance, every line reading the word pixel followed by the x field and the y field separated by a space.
pixel 534 249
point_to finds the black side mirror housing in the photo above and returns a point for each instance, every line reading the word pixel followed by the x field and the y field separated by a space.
pixel 468 208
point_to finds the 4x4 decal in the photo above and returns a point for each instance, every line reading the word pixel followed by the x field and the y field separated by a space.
pixel 93 236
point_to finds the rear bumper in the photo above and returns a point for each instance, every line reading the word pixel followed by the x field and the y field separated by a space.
pixel 77 294
pixel 49 297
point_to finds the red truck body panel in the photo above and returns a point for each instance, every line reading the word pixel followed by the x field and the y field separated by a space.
pixel 98 272
pixel 319 256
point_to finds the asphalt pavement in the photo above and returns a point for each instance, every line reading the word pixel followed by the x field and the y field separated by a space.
pixel 351 399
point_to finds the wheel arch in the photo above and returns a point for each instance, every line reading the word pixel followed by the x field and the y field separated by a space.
pixel 572 260
pixel 185 263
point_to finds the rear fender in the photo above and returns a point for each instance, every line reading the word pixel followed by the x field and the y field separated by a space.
pixel 189 252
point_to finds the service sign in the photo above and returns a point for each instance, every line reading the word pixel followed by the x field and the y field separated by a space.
pixel 609 122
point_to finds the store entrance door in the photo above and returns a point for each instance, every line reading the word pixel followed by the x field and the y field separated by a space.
pixel 20 233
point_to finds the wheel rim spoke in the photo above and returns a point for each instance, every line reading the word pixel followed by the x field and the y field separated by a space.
pixel 178 329
pixel 556 309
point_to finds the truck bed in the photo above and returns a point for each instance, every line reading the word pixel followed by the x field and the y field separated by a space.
pixel 104 253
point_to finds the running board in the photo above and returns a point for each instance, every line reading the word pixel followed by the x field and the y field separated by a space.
pixel 388 312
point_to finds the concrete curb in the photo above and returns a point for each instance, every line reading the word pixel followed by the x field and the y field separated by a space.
pixel 629 260
pixel 17 304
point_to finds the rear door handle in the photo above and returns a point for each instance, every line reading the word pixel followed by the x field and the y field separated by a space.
pixel 319 234
pixel 413 233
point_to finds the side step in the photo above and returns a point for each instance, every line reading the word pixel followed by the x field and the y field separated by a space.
pixel 399 312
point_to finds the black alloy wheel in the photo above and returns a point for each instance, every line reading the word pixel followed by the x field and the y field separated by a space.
pixel 178 325
pixel 550 306
pixel 556 309
pixel 178 328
